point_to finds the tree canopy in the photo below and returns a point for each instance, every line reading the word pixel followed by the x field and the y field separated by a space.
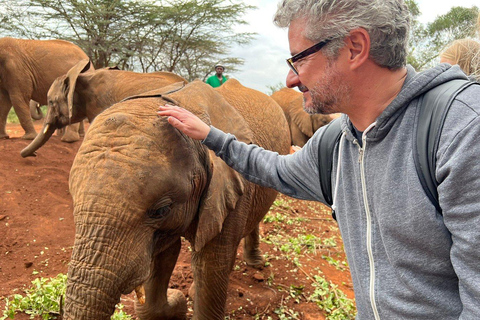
pixel 427 41
pixel 187 37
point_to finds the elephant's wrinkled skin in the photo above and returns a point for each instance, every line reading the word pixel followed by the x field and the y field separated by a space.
pixel 302 125
pixel 27 69
pixel 138 185
pixel 84 93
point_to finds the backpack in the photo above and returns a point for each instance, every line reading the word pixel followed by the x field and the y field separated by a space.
pixel 433 109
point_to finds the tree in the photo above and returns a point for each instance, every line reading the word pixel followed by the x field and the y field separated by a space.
pixel 187 37
pixel 427 41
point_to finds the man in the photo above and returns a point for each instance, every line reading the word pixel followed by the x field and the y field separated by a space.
pixel 218 78
pixel 407 260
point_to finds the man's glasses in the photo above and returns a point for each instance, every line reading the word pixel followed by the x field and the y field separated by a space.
pixel 305 53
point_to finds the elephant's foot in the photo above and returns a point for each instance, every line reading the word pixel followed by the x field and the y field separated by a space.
pixel 4 136
pixel 174 309
pixel 29 136
pixel 254 258
pixel 70 137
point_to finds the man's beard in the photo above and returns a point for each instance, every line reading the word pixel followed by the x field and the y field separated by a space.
pixel 329 93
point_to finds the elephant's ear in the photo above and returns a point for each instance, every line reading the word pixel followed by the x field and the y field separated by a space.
pixel 72 76
pixel 319 120
pixel 300 118
pixel 225 189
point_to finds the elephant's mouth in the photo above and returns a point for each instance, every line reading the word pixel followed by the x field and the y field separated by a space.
pixel 58 122
pixel 140 292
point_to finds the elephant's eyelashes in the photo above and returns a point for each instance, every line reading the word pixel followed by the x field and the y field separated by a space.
pixel 158 211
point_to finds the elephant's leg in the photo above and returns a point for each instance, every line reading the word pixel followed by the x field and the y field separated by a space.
pixel 251 249
pixel 22 109
pixel 71 133
pixel 5 106
pixel 211 270
pixel 162 303
pixel 60 132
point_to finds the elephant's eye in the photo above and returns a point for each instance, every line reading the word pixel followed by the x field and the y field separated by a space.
pixel 159 209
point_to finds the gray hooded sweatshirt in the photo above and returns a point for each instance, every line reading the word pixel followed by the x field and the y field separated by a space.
pixel 407 260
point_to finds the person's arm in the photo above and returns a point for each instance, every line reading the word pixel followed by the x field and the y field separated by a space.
pixel 458 171
pixel 295 175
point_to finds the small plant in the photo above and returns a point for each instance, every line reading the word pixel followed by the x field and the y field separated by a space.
pixel 44 298
pixel 332 300
pixel 339 265
pixel 286 314
pixel 281 204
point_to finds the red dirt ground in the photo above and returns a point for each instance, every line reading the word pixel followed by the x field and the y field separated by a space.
pixel 37 233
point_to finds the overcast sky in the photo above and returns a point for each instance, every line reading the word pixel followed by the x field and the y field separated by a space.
pixel 265 56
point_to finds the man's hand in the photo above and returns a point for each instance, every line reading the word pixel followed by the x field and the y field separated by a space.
pixel 185 121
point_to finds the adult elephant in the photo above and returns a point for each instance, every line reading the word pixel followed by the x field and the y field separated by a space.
pixel 302 125
pixel 27 69
pixel 83 93
pixel 139 185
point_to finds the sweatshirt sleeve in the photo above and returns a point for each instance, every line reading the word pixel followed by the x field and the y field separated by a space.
pixel 458 173
pixel 295 175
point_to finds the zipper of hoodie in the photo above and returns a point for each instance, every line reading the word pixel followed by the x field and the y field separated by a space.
pixel 369 222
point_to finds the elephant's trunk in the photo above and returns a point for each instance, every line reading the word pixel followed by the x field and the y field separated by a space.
pixel 35 110
pixel 84 301
pixel 102 266
pixel 93 283
pixel 40 140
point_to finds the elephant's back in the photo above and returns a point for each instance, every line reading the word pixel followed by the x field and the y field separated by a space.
pixel 56 48
pixel 262 114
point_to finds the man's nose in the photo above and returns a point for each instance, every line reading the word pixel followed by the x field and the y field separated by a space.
pixel 292 79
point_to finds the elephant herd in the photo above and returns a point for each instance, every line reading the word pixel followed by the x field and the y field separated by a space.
pixel 138 184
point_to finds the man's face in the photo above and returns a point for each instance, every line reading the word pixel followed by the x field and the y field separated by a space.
pixel 319 78
pixel 219 70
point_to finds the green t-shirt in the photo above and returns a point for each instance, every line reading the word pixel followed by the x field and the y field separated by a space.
pixel 215 82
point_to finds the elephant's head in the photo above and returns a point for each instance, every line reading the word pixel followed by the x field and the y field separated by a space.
pixel 138 185
pixel 60 106
pixel 302 125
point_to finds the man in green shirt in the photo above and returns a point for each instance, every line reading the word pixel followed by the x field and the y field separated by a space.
pixel 218 78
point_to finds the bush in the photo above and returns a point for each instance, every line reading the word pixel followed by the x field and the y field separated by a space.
pixel 44 299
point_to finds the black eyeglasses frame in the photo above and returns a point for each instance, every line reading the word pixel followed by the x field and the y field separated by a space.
pixel 305 53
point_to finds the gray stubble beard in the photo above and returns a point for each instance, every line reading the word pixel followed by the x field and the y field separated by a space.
pixel 329 93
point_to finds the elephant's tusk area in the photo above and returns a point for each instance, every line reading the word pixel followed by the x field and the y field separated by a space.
pixel 140 292
pixel 46 128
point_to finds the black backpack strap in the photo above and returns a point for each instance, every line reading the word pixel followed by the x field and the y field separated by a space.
pixel 433 109
pixel 328 142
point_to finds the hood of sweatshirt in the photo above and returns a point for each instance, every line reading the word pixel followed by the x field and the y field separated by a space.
pixel 416 84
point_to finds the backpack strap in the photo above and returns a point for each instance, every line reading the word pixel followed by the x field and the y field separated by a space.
pixel 432 111
pixel 327 145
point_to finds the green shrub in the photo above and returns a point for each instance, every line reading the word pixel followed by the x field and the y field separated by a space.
pixel 43 299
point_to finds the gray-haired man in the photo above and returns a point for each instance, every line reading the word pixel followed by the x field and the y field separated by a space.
pixel 407 260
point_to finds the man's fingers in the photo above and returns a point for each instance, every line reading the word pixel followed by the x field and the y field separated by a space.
pixel 174 122
pixel 173 111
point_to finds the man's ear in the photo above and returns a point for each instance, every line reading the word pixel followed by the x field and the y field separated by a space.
pixel 358 44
